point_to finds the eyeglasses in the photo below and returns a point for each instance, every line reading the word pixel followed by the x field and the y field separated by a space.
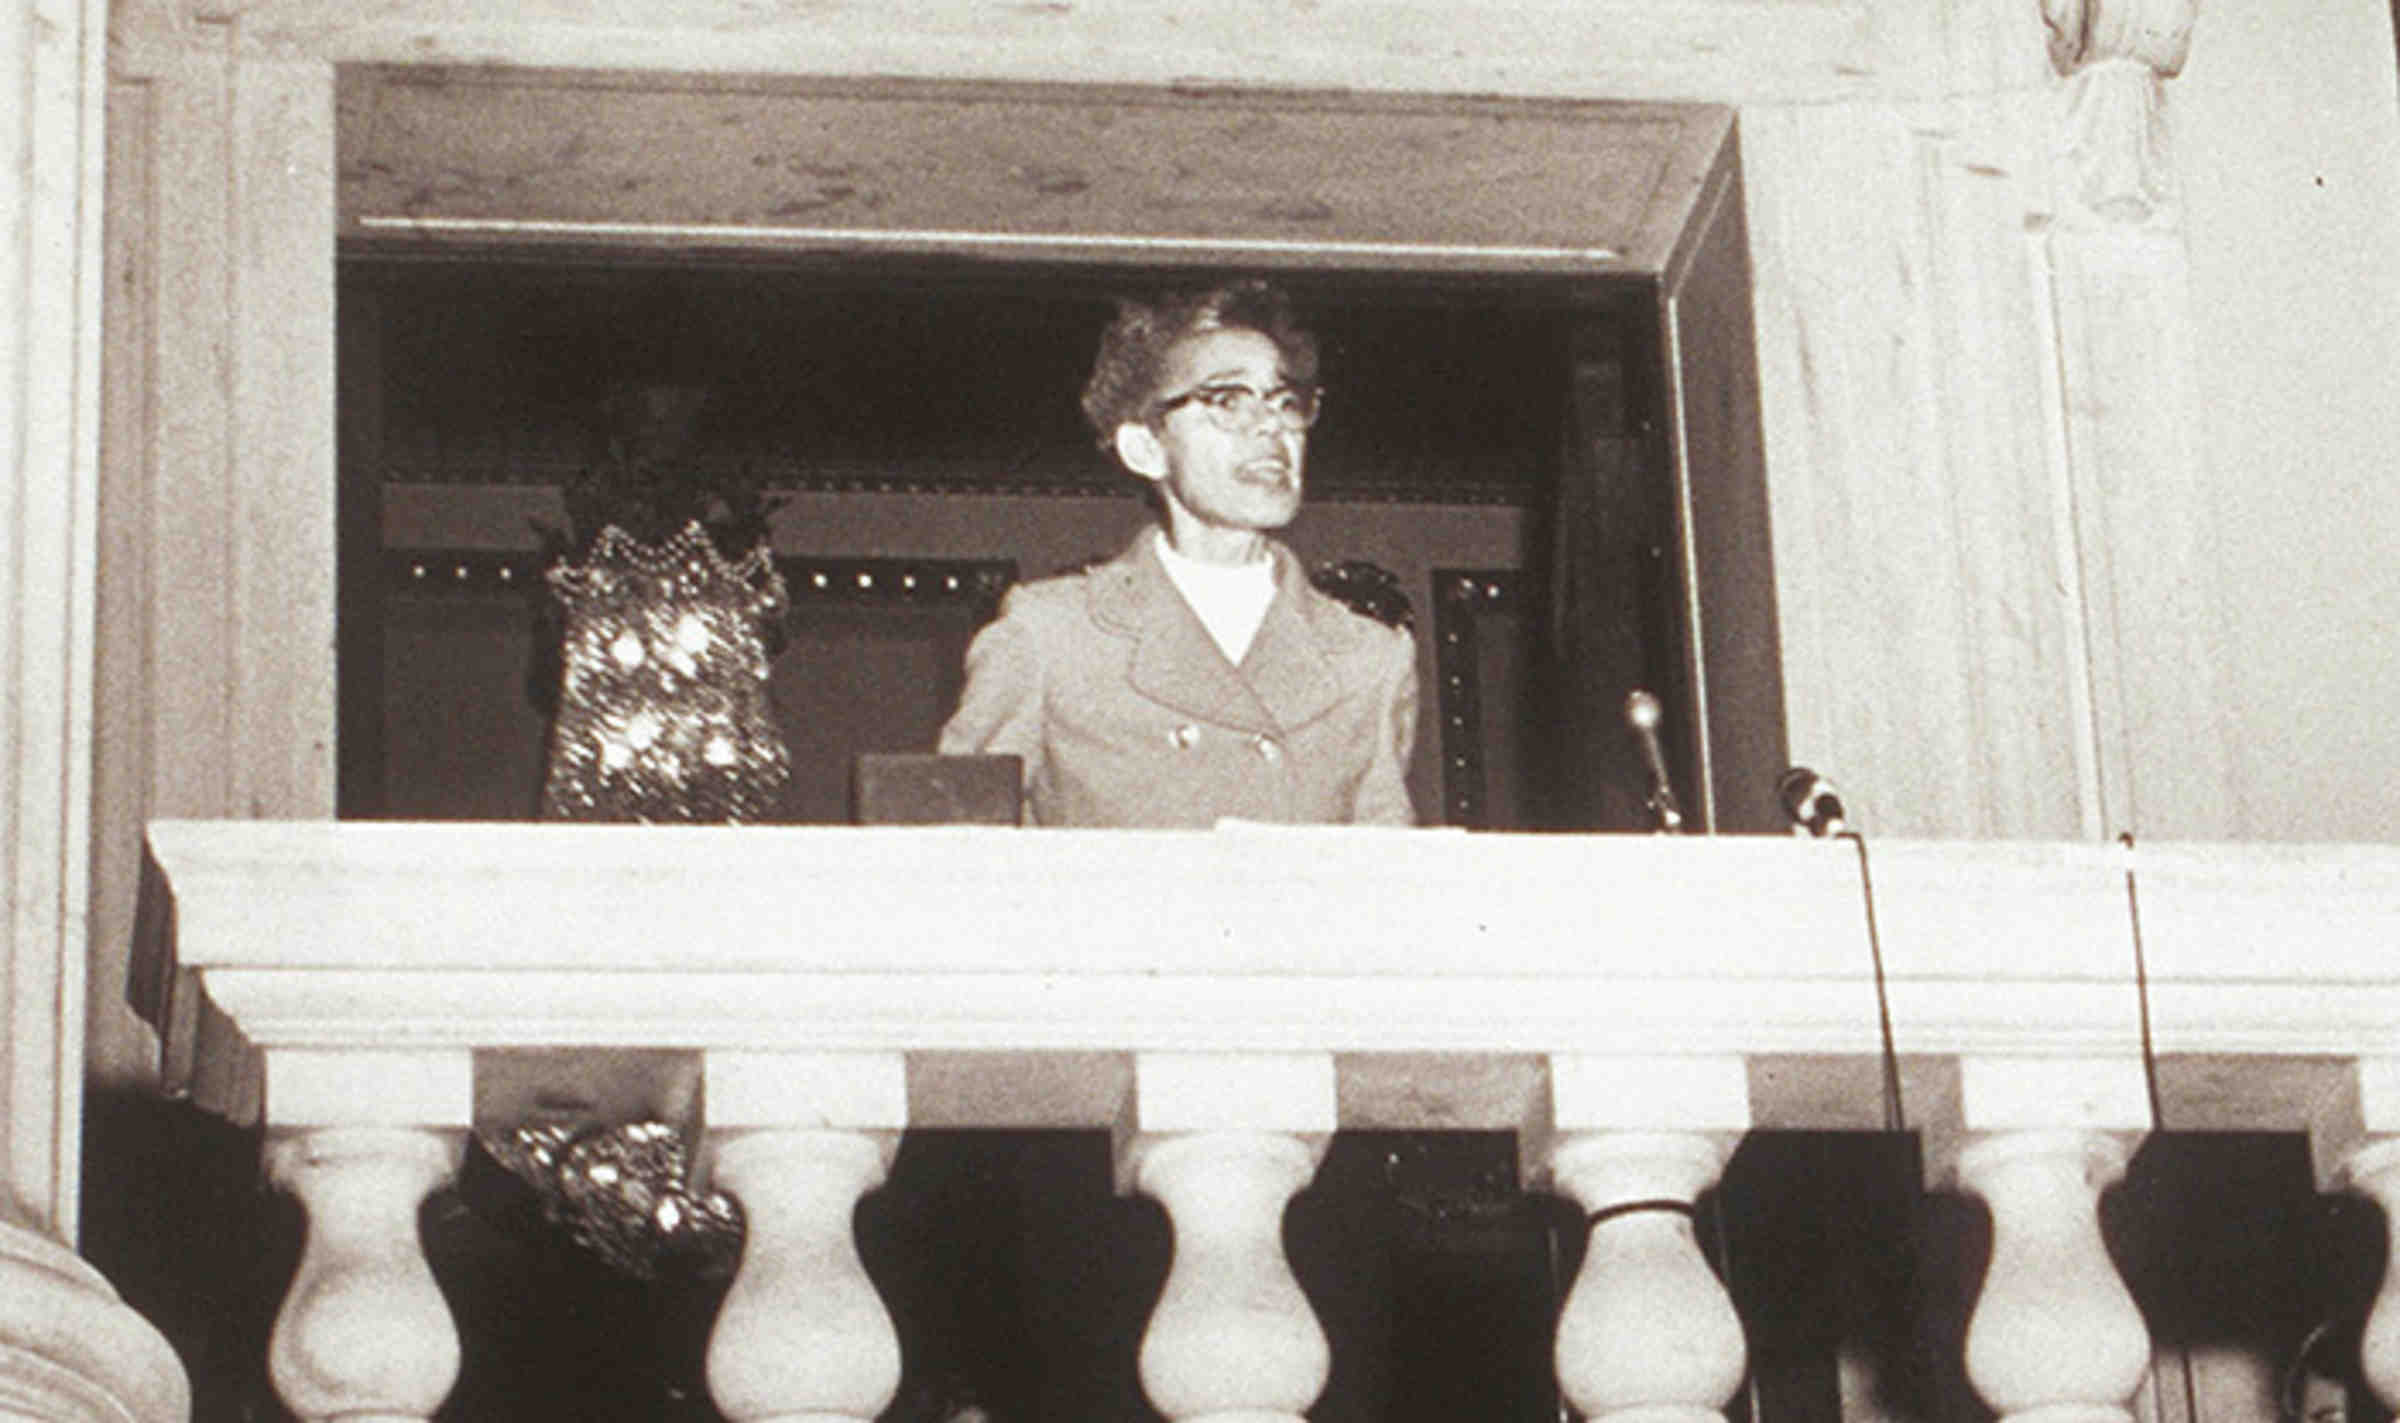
pixel 1231 405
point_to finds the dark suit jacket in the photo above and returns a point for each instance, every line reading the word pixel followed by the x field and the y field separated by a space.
pixel 1127 713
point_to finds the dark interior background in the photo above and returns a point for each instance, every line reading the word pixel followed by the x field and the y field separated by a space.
pixel 952 376
pixel 1463 415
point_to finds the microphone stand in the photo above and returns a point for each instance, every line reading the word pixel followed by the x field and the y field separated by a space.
pixel 1642 716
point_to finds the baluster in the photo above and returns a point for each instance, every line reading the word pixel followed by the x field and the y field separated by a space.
pixel 364 1334
pixel 2354 1142
pixel 802 1337
pixel 1648 1332
pixel 2055 1335
pixel 1223 1140
pixel 2374 1171
pixel 1233 1339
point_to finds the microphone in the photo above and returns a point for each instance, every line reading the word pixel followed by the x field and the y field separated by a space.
pixel 1810 803
pixel 1642 715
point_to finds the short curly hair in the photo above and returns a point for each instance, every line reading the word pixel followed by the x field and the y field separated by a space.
pixel 1125 374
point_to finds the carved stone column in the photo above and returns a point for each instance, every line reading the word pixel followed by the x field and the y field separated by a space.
pixel 2374 1172
pixel 2354 1145
pixel 70 1350
pixel 50 125
pixel 802 1333
pixel 364 1333
pixel 1648 1331
pixel 2126 419
pixel 1225 1140
pixel 2055 1335
pixel 798 1138
pixel 2113 54
pixel 1232 1337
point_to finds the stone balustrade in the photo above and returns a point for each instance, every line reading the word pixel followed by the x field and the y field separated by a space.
pixel 1224 1002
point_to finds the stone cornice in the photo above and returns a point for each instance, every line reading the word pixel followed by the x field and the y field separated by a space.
pixel 1748 51
pixel 433 942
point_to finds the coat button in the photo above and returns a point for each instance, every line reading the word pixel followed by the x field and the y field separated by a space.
pixel 1184 737
pixel 1268 751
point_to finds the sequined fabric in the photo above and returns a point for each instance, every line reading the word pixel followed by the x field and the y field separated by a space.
pixel 663 716
pixel 663 712
pixel 1367 589
pixel 622 1192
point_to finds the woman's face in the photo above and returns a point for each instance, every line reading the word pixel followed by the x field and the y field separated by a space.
pixel 1246 478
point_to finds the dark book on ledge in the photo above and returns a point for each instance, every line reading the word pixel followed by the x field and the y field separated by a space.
pixel 896 788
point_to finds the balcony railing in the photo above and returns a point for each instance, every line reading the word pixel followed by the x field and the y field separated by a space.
pixel 1223 1002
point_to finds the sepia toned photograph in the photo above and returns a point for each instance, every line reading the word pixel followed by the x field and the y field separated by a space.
pixel 1302 711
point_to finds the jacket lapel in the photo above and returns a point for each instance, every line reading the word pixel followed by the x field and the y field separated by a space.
pixel 1288 666
pixel 1285 681
pixel 1174 661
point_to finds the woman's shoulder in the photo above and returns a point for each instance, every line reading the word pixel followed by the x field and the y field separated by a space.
pixel 1052 613
pixel 1356 613
pixel 1053 596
